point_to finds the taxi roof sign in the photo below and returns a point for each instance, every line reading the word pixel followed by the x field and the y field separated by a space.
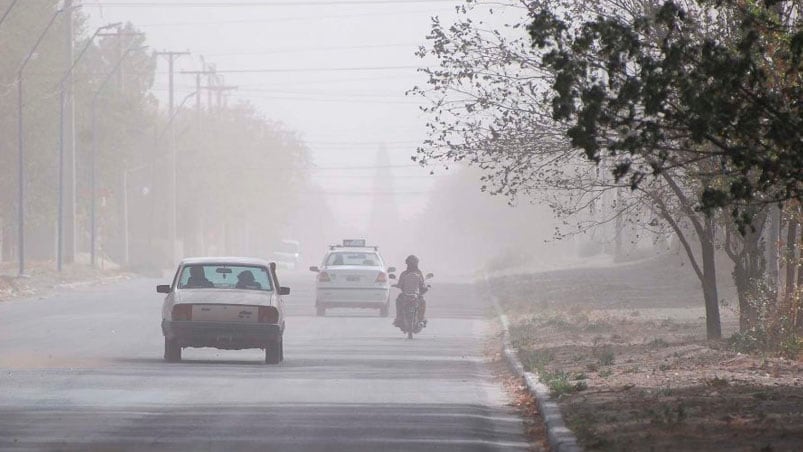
pixel 353 242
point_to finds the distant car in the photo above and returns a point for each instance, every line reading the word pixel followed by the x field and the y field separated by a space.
pixel 288 254
pixel 352 275
pixel 229 303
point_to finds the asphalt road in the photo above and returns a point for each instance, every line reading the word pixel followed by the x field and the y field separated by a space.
pixel 83 370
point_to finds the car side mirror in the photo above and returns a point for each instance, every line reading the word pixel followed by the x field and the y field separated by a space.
pixel 314 269
pixel 392 276
pixel 391 269
pixel 284 291
pixel 163 288
pixel 430 276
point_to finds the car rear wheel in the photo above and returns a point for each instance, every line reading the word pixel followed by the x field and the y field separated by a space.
pixel 172 351
pixel 274 353
pixel 320 312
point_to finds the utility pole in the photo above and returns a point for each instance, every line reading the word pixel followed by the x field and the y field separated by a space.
pixel 171 57
pixel 120 50
pixel 198 87
pixel 198 137
pixel 65 131
pixel 93 155
pixel 219 90
pixel 68 195
pixel 21 148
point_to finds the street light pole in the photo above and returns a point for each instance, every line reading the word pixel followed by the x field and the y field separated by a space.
pixel 21 149
pixel 62 101
pixel 93 153
pixel 171 56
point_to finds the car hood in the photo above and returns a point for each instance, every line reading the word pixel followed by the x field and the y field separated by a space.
pixel 224 296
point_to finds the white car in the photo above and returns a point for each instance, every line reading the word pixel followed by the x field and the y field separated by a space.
pixel 288 254
pixel 229 303
pixel 352 275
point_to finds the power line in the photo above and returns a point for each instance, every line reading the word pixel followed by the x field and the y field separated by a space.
pixel 315 69
pixel 336 101
pixel 313 49
pixel 168 4
pixel 286 19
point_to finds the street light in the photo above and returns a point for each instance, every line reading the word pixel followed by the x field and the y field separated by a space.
pixel 21 148
pixel 93 228
pixel 60 227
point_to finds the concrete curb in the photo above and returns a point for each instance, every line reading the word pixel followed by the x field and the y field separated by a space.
pixel 561 438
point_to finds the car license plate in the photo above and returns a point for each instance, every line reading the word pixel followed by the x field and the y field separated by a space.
pixel 352 278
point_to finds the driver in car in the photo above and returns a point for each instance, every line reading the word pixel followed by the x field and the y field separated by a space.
pixel 197 279
pixel 412 281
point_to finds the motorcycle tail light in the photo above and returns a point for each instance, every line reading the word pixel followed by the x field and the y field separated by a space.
pixel 324 277
pixel 182 312
pixel 268 314
pixel 382 277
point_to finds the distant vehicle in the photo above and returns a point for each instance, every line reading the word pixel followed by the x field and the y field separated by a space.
pixel 229 303
pixel 288 254
pixel 352 275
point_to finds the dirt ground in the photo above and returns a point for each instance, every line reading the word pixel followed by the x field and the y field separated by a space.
pixel 623 349
pixel 42 278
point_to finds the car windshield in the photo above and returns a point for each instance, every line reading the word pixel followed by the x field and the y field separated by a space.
pixel 222 276
pixel 352 258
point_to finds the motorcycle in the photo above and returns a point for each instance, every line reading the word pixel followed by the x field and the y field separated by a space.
pixel 410 305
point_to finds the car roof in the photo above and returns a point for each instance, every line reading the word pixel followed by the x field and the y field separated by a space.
pixel 228 260
pixel 353 249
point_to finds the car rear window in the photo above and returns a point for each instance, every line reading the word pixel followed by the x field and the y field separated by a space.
pixel 222 276
pixel 352 258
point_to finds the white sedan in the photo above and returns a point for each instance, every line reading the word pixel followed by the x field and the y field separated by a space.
pixel 352 277
pixel 225 303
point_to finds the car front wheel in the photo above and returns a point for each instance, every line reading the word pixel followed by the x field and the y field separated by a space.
pixel 172 351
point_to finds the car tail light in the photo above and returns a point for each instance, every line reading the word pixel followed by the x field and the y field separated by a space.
pixel 382 277
pixel 324 277
pixel 182 312
pixel 268 314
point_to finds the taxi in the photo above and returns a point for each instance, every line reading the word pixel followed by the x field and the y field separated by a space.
pixel 352 275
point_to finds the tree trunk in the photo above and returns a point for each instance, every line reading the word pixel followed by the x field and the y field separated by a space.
pixel 713 327
pixel 789 256
pixel 749 274
pixel 773 253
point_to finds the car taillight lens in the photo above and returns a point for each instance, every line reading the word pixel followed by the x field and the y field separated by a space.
pixel 324 277
pixel 182 312
pixel 268 314
pixel 382 277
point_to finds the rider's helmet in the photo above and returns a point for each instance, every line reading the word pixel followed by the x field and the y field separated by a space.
pixel 411 261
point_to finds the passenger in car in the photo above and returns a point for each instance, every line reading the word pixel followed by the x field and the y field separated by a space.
pixel 245 280
pixel 197 279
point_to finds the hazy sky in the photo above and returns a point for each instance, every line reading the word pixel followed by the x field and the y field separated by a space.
pixel 335 71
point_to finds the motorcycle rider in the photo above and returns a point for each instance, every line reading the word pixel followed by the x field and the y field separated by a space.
pixel 411 281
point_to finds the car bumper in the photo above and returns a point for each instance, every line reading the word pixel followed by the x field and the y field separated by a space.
pixel 352 298
pixel 224 335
